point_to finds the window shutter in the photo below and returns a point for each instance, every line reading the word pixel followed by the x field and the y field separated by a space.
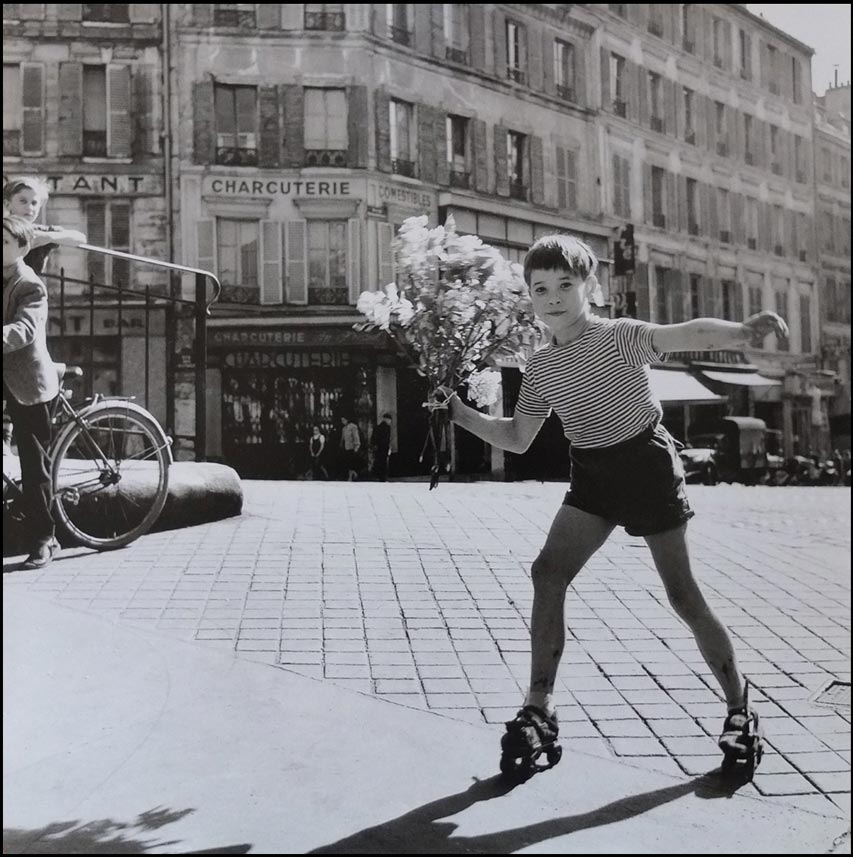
pixel 533 39
pixel 426 142
pixel 423 27
pixel 791 232
pixel 606 103
pixel 144 13
pixel 562 192
pixel 268 17
pixel 738 228
pixel 537 171
pixel 671 201
pixel 293 107
pixel 71 109
pixel 669 97
pixel 269 149
pixel 203 14
pixel 439 130
pixel 385 253
pixel 499 22
pixel 632 90
pixel 727 45
pixel 272 291
pixel 204 123
pixel 648 203
pixel 682 203
pixel 706 19
pixel 296 261
pixel 523 52
pixel 549 84
pixel 292 16
pixel 571 179
pixel 643 96
pixel 731 135
pixel 738 307
pixel 711 124
pixel 356 285
pixel 69 11
pixel 357 126
pixel 146 110
pixel 32 103
pixel 478 36
pixel 700 125
pixel 714 214
pixel 437 40
pixel 501 172
pixel 381 103
pixel 481 156
pixel 710 288
pixel 205 246
pixel 617 185
pixel 118 101
pixel 767 224
pixel 673 283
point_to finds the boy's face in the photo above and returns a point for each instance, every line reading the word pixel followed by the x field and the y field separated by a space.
pixel 559 298
pixel 12 251
pixel 25 203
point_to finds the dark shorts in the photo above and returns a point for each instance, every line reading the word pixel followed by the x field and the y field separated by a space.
pixel 637 484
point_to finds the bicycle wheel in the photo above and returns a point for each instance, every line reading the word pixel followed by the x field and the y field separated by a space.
pixel 110 475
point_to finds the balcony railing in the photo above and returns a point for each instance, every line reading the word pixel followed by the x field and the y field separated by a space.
pixel 324 20
pixel 325 157
pixel 456 55
pixel 722 148
pixel 657 124
pixel 620 108
pixel 460 179
pixel 693 228
pixel 11 142
pixel 567 93
pixel 659 220
pixel 234 17
pixel 516 74
pixel 233 157
pixel 518 190
pixel 402 167
pixel 752 243
pixel 401 35
pixel 95 144
pixel 725 236
pixel 328 295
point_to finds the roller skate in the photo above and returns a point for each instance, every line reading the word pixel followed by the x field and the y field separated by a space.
pixel 527 737
pixel 742 741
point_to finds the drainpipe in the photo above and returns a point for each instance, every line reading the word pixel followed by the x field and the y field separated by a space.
pixel 166 138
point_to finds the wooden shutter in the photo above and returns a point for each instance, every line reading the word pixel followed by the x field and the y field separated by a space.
pixel 562 190
pixel 69 11
pixel 439 130
pixel 499 23
pixel 437 38
pixel 426 142
pixel 571 179
pixel 296 261
pixel 548 83
pixel 71 109
pixel 643 96
pixel 204 123
pixel 357 122
pixel 206 246
pixel 671 188
pixel 293 123
pixel 537 171
pixel 533 39
pixel 423 27
pixel 481 155
pixel 501 172
pixel 477 39
pixel 606 103
pixel 203 14
pixel 146 110
pixel 119 108
pixel 272 291
pixel 632 91
pixel 268 17
pixel 32 104
pixel 385 253
pixel 144 13
pixel 648 201
pixel 269 149
pixel 738 227
pixel 670 93
pixel 381 104
pixel 356 285
pixel 617 185
pixel 682 203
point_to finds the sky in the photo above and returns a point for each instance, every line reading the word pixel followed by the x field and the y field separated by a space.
pixel 822 26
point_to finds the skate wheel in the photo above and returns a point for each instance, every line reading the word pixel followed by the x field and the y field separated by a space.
pixel 554 754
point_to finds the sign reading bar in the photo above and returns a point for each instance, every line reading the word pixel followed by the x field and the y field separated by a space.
pixel 320 188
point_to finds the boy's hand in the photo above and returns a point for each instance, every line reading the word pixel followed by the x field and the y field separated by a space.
pixel 441 399
pixel 759 325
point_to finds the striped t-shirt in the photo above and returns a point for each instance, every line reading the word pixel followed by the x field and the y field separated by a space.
pixel 598 384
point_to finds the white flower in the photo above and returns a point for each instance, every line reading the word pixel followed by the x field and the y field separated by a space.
pixel 484 387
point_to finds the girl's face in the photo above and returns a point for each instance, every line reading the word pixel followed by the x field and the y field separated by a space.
pixel 25 203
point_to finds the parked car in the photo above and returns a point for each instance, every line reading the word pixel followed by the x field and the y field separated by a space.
pixel 699 458
pixel 732 449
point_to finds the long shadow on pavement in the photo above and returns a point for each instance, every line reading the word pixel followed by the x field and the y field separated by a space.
pixel 421 832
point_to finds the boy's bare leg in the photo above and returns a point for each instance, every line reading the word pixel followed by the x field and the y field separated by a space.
pixel 672 559
pixel 574 537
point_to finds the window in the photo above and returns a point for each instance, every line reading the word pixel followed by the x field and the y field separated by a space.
pixel 826 164
pixel 617 85
pixel 775 160
pixel 457 151
pixel 658 191
pixel 720 128
pixel 688 27
pixel 564 70
pixel 236 124
pixel 516 147
pixel 237 252
pixel 724 215
pixel 692 207
pixel 805 324
pixel 402 138
pixel 802 236
pixel 667 298
pixel 782 342
pixel 772 68
pixel 729 299
pixel 756 299
pixel 745 45
pixel 799 159
pixel 749 139
pixel 116 13
pixel 324 16
pixel 515 42
pixel 655 24
pixel 398 23
pixel 778 230
pixel 621 187
pixel 827 228
pixel 718 38
pixel 656 101
pixel 752 223
pixel 567 182
pixel 234 14
pixel 689 115
pixel 695 295
pixel 457 31
pixel 326 137
pixel 95 111
pixel 797 80
pixel 327 262
pixel 108 225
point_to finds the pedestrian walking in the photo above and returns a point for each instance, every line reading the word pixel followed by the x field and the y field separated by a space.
pixel 350 446
pixel 382 448
pixel 625 467
pixel 316 446
pixel 30 384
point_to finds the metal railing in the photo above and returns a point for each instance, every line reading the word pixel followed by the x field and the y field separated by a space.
pixel 125 299
pixel 325 157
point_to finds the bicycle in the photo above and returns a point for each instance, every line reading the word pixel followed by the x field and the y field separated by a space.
pixel 104 459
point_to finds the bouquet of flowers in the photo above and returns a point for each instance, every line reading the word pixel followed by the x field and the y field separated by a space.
pixel 458 306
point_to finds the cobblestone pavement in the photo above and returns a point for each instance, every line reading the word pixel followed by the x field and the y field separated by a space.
pixel 423 598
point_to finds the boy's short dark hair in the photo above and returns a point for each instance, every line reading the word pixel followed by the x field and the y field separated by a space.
pixel 19 228
pixel 560 253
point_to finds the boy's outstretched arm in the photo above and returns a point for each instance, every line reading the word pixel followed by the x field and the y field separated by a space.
pixel 711 334
pixel 514 434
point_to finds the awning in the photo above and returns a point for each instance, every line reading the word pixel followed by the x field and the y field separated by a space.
pixel 677 386
pixel 742 379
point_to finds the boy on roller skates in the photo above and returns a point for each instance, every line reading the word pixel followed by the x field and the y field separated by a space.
pixel 625 472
